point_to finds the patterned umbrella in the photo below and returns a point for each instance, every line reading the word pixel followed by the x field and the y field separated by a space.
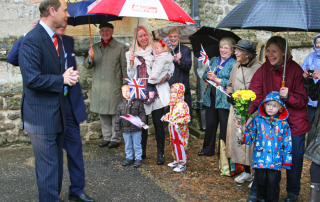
pixel 276 16
pixel 78 16
pixel 158 9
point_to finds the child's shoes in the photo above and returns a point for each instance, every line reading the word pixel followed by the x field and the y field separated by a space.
pixel 137 163
pixel 173 164
pixel 180 168
pixel 127 162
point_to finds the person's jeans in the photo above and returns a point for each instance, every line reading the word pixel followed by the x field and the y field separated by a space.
pixel 135 138
pixel 293 175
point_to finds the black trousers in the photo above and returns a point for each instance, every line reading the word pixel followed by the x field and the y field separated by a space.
pixel 315 172
pixel 214 116
pixel 159 128
pixel 268 184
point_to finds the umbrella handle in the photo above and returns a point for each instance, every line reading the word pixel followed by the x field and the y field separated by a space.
pixel 92 51
pixel 283 84
pixel 131 63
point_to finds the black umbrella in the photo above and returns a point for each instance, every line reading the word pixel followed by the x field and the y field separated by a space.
pixel 276 16
pixel 210 38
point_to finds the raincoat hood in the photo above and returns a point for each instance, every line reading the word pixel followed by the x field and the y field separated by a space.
pixel 314 46
pixel 275 96
pixel 180 93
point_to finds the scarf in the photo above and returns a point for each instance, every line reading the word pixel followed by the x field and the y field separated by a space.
pixel 106 43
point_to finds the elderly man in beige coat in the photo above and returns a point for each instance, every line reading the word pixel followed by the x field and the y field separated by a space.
pixel 107 58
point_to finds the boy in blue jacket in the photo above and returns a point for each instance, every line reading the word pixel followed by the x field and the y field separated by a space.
pixel 270 132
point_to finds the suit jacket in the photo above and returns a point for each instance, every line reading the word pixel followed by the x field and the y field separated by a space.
pixel 13 56
pixel 75 94
pixel 43 103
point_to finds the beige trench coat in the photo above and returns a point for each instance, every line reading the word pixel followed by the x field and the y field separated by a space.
pixel 243 154
pixel 109 67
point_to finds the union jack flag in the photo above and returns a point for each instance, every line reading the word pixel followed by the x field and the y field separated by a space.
pixel 137 89
pixel 204 57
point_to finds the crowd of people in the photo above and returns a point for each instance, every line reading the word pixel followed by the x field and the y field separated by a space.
pixel 53 105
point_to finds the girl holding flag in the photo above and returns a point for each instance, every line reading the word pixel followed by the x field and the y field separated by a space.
pixel 178 119
pixel 217 106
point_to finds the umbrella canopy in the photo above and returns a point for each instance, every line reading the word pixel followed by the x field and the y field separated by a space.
pixel 274 15
pixel 79 16
pixel 210 38
pixel 159 9
pixel 186 31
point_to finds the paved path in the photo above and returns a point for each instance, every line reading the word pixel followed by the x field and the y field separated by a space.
pixel 107 180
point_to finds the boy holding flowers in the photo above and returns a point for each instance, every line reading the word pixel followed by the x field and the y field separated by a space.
pixel 271 135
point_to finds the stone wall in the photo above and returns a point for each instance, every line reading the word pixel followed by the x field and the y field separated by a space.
pixel 17 16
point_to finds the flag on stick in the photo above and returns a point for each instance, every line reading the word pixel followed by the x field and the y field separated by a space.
pixel 137 89
pixel 204 57
pixel 218 87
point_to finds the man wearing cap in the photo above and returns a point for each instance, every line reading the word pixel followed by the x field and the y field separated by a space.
pixel 108 61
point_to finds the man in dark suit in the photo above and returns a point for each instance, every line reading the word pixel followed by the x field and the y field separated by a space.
pixel 75 114
pixel 43 105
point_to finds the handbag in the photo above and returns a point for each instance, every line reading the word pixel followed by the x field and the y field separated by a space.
pixel 226 166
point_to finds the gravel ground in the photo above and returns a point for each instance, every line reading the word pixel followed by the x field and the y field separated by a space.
pixel 107 180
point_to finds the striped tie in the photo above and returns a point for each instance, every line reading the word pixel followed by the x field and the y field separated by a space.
pixel 55 43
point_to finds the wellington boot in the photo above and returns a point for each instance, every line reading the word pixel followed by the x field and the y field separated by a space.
pixel 160 158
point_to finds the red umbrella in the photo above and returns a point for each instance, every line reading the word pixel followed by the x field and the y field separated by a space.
pixel 158 9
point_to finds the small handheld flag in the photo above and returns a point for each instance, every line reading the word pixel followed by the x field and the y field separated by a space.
pixel 218 87
pixel 204 57
pixel 137 89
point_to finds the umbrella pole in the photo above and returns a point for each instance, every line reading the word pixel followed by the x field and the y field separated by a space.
pixel 134 44
pixel 90 36
pixel 285 62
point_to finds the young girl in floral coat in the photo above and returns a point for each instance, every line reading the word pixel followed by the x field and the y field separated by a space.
pixel 178 119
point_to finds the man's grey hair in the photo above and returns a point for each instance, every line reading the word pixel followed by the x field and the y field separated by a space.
pixel 45 5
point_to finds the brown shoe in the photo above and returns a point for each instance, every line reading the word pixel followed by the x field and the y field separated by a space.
pixel 104 143
pixel 113 144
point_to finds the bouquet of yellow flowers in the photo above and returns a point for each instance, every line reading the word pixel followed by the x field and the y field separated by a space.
pixel 242 99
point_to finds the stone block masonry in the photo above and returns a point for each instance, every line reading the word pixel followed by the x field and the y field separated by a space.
pixel 17 16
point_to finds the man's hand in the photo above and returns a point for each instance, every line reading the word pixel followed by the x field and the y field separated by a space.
pixel 143 124
pixel 70 76
pixel 90 52
pixel 151 78
pixel 34 23
pixel 177 57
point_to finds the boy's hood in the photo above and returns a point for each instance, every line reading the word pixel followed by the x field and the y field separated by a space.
pixel 180 92
pixel 274 95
